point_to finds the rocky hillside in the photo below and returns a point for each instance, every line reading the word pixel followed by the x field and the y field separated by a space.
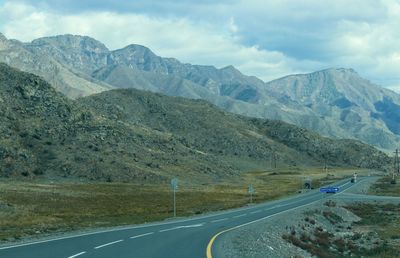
pixel 46 62
pixel 210 130
pixel 131 135
pixel 335 102
pixel 350 105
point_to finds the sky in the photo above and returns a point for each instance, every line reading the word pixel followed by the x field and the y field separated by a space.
pixel 265 38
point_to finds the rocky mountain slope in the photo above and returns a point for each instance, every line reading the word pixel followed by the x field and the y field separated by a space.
pixel 350 105
pixel 330 102
pixel 27 57
pixel 131 135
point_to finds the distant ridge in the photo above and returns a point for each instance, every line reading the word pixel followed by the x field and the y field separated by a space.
pixel 334 102
pixel 132 135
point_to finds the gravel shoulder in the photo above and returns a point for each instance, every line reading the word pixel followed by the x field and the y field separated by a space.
pixel 264 239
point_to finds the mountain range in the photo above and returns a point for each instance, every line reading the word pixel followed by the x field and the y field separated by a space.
pixel 334 102
pixel 135 135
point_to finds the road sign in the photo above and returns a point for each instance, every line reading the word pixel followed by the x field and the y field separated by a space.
pixel 174 184
pixel 251 189
pixel 307 183
pixel 251 192
pixel 355 177
pixel 329 189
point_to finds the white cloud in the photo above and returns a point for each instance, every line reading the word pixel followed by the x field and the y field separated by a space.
pixel 232 26
pixel 372 48
pixel 189 41
pixel 268 39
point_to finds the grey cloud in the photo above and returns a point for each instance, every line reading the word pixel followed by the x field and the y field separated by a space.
pixel 308 34
pixel 303 29
pixel 154 7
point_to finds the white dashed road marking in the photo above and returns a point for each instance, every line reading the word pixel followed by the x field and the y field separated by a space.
pixel 76 255
pixel 218 220
pixel 179 227
pixel 238 216
pixel 111 243
pixel 142 235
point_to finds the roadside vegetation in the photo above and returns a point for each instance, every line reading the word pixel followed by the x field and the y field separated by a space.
pixel 332 232
pixel 384 187
pixel 384 220
pixel 38 208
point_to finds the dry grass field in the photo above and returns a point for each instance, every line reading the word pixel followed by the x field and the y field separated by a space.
pixel 384 187
pixel 384 220
pixel 39 208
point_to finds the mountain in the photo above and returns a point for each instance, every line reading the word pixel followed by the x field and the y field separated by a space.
pixel 335 102
pixel 44 60
pixel 350 105
pixel 133 135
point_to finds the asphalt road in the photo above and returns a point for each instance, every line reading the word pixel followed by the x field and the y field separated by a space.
pixel 186 238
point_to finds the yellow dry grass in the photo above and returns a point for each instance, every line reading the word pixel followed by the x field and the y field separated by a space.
pixel 36 208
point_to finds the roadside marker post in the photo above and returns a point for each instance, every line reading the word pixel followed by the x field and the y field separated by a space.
pixel 174 186
pixel 251 192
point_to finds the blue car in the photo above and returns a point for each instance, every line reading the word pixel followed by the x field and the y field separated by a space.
pixel 329 189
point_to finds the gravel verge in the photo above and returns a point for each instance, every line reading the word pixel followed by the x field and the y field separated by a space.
pixel 264 239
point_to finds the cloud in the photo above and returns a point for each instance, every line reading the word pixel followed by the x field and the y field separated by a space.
pixel 190 41
pixel 268 39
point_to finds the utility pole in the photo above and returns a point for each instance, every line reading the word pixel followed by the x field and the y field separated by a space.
pixel 396 168
pixel 396 162
pixel 325 165
pixel 273 159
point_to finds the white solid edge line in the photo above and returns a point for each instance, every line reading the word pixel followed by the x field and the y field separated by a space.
pixel 76 255
pixel 143 226
pixel 146 225
pixel 131 228
pixel 263 218
pixel 142 235
pixel 111 243
pixel 352 195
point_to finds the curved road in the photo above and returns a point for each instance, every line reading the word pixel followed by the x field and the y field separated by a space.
pixel 186 238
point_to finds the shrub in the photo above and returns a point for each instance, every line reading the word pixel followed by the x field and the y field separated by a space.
pixel 340 244
pixel 330 203
pixel 332 217
pixel 322 238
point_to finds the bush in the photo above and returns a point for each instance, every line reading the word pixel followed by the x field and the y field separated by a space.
pixel 330 203
pixel 332 217
pixel 340 244
pixel 322 238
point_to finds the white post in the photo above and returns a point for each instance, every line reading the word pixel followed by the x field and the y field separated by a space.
pixel 174 203
pixel 174 186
